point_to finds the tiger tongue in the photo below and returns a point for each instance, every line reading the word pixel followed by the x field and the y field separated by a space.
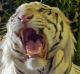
pixel 34 48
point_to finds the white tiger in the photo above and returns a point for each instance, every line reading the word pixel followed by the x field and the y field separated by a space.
pixel 38 41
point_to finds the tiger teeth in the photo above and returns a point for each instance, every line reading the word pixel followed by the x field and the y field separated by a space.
pixel 37 31
pixel 21 34
pixel 29 56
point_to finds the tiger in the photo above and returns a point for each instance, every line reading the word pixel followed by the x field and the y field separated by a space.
pixel 38 40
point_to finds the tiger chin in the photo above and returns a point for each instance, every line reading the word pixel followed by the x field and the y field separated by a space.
pixel 38 40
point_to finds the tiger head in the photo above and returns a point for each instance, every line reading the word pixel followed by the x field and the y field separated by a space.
pixel 39 32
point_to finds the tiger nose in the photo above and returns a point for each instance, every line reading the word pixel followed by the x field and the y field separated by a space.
pixel 25 18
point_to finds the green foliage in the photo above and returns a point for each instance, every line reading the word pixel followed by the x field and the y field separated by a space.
pixel 77 53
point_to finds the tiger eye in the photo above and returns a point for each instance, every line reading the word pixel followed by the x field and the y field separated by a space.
pixel 41 9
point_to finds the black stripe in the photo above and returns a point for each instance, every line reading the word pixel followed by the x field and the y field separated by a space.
pixel 77 72
pixel 50 12
pixel 54 46
pixel 60 36
pixel 77 69
pixel 40 72
pixel 58 63
pixel 68 69
pixel 44 6
pixel 51 64
pixel 56 18
pixel 56 28
pixel 61 23
pixel 21 60
pixel 18 51
pixel 53 24
pixel 20 72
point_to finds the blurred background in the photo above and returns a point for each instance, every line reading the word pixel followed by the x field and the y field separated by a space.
pixel 71 8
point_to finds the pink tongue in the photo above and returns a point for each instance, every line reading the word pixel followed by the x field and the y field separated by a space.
pixel 34 47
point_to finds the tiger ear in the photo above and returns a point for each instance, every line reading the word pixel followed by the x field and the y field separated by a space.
pixel 61 15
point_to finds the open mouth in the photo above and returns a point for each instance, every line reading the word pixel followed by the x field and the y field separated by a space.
pixel 35 45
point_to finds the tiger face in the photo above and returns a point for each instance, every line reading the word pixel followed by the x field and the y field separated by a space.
pixel 37 31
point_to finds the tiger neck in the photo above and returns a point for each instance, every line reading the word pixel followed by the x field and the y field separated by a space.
pixel 54 67
pixel 56 64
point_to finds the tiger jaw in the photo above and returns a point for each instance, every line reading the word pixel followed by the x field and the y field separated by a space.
pixel 35 45
pixel 36 48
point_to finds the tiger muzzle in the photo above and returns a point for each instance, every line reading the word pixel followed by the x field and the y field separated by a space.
pixel 34 44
